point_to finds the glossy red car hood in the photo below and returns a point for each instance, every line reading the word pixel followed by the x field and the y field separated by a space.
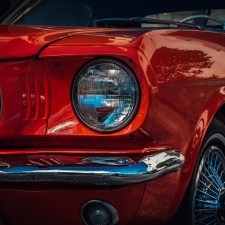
pixel 27 41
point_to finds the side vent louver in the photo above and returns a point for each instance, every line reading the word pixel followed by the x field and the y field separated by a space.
pixel 34 96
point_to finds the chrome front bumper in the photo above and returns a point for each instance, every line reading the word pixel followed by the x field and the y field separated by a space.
pixel 102 172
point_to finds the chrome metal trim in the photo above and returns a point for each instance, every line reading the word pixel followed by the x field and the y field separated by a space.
pixel 112 161
pixel 128 117
pixel 149 168
pixel 4 165
pixel 113 211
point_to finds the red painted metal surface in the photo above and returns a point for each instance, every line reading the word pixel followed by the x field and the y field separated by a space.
pixel 182 77
pixel 61 205
pixel 25 99
pixel 27 41
pixel 14 40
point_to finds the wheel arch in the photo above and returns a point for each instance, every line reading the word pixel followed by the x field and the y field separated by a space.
pixel 213 134
pixel 214 109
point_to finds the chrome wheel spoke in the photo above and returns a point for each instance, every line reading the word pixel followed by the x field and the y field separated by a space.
pixel 205 193
pixel 206 210
pixel 210 182
pixel 215 178
pixel 211 217
pixel 206 202
pixel 208 187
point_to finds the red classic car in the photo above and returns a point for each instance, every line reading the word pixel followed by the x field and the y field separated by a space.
pixel 112 112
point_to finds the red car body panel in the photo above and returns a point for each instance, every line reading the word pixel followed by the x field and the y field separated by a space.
pixel 61 205
pixel 14 40
pixel 181 78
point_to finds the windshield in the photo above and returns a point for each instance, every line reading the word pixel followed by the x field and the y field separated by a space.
pixel 84 13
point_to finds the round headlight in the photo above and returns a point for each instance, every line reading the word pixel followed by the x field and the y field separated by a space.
pixel 105 95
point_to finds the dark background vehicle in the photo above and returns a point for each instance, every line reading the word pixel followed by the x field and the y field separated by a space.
pixel 70 13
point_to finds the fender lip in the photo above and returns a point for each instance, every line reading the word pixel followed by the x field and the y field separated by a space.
pixel 148 168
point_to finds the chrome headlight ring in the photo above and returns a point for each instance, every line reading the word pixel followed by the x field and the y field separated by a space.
pixel 105 95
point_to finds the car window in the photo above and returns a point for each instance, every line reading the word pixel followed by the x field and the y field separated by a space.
pixel 219 13
pixel 180 15
pixel 176 16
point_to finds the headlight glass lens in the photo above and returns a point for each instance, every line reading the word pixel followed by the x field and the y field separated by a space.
pixel 105 95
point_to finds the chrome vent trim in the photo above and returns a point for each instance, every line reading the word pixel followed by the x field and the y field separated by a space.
pixel 34 96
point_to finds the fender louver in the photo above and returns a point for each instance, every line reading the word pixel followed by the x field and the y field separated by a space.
pixel 34 96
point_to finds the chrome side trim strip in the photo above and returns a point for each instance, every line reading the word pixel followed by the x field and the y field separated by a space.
pixel 149 168
pixel 109 161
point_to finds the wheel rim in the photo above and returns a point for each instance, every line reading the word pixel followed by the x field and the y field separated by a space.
pixel 209 189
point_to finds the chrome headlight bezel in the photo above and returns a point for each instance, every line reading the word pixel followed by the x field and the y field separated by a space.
pixel 134 80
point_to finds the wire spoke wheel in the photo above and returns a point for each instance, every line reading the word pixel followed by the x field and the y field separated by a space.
pixel 209 190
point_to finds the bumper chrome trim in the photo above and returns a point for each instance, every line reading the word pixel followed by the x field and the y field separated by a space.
pixel 149 168
pixel 109 161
